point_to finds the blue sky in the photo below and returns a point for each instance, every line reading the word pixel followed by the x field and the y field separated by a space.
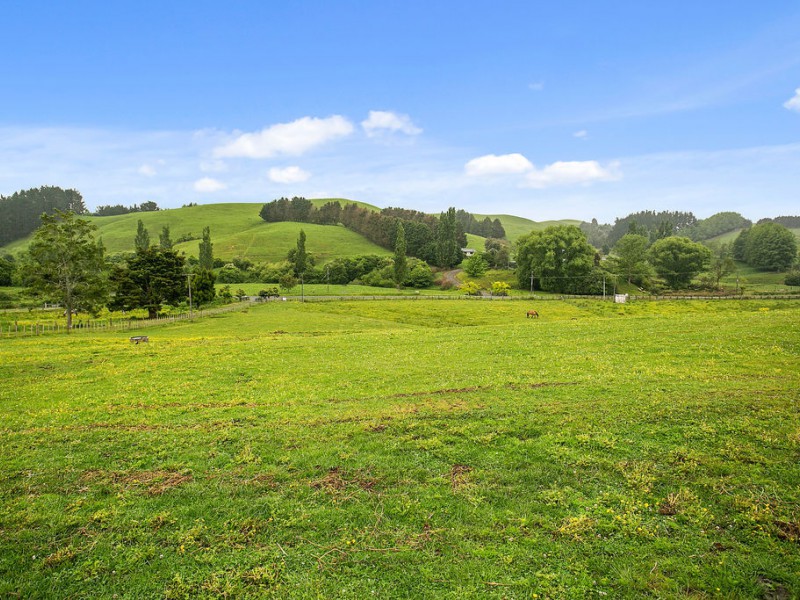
pixel 544 110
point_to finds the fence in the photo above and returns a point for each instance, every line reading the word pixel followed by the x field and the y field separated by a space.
pixel 111 324
pixel 13 330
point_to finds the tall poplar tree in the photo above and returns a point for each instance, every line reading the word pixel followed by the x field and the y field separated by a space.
pixel 164 240
pixel 142 240
pixel 400 262
pixel 301 256
pixel 448 252
pixel 206 258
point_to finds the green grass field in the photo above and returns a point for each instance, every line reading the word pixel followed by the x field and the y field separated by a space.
pixel 409 449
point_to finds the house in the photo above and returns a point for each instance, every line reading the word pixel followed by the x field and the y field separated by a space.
pixel 468 251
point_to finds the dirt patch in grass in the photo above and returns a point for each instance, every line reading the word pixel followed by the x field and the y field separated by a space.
pixel 788 530
pixel 337 480
pixel 459 476
pixel 482 388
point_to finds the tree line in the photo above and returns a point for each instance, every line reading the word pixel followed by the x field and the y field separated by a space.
pixel 110 210
pixel 21 212
pixel 560 259
pixel 436 240
pixel 656 225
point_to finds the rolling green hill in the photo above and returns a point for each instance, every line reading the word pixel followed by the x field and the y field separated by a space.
pixel 236 231
pixel 518 226
pixel 730 236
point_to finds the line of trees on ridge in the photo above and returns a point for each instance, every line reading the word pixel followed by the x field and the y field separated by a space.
pixel 21 212
pixel 436 240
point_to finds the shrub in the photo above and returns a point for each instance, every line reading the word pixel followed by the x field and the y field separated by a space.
pixel 471 288
pixel 500 288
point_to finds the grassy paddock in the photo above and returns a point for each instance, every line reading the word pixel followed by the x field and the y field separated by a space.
pixel 409 449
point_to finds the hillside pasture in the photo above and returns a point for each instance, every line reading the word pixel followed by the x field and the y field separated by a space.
pixel 516 227
pixel 237 230
pixel 426 449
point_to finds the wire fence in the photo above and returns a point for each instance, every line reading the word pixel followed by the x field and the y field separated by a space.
pixel 122 324
pixel 110 324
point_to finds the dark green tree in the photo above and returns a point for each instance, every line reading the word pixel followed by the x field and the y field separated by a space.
pixel 298 256
pixel 203 290
pixel 678 259
pixel 164 240
pixel 148 206
pixel 20 213
pixel 596 233
pixel 142 240
pixel 400 262
pixel 7 268
pixel 629 259
pixel 498 231
pixel 65 264
pixel 448 251
pixel 557 259
pixel 206 254
pixel 151 278
pixel 498 253
pixel 739 248
pixel 770 247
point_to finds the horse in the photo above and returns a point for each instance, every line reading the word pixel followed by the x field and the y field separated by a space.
pixel 532 314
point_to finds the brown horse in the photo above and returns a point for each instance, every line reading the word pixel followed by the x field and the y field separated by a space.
pixel 532 314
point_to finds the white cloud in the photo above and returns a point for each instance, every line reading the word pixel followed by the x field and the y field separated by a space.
pixel 582 134
pixel 793 103
pixel 208 185
pixel 379 121
pixel 288 175
pixel 536 86
pixel 293 138
pixel 571 173
pixel 491 164
pixel 147 171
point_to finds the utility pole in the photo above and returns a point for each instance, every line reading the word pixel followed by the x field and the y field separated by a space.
pixel 302 290
pixel 531 282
